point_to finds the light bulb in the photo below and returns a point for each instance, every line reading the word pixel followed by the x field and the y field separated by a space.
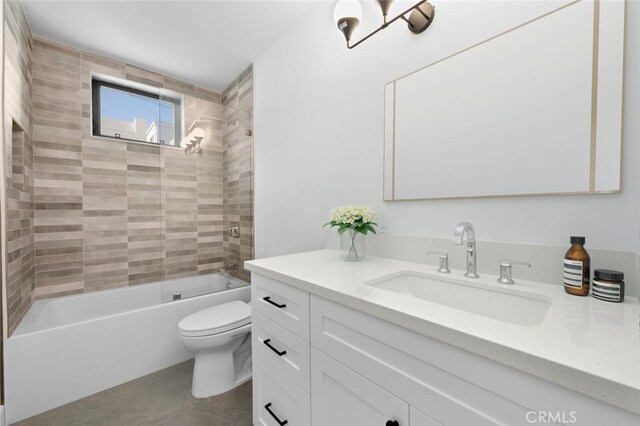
pixel 347 9
pixel 347 15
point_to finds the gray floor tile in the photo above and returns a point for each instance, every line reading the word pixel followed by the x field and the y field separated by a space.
pixel 161 398
pixel 187 416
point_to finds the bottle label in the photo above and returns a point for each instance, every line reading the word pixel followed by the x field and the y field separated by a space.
pixel 573 273
pixel 606 291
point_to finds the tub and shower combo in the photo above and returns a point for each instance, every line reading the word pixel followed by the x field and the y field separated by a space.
pixel 71 347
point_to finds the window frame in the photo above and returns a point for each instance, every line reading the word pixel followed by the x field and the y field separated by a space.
pixel 151 93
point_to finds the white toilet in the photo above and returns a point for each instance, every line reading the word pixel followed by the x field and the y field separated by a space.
pixel 221 341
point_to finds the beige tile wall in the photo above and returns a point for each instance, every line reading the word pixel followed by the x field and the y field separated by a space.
pixel 18 166
pixel 238 170
pixel 3 309
pixel 58 164
pixel 113 213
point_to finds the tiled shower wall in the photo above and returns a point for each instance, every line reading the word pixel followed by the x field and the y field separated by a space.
pixel 18 166
pixel 238 171
pixel 99 216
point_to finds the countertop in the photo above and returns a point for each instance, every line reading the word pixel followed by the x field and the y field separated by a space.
pixel 584 344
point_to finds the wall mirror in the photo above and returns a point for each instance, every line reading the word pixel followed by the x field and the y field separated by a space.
pixel 533 110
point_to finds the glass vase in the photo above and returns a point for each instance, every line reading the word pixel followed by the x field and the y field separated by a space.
pixel 352 245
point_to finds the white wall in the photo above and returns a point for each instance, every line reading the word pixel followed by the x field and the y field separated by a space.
pixel 319 130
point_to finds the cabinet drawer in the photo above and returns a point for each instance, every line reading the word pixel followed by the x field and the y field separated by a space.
pixel 283 304
pixel 287 352
pixel 343 397
pixel 276 399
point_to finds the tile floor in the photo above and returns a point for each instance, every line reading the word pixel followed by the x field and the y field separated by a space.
pixel 161 398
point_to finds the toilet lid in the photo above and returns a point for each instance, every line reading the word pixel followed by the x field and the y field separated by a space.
pixel 216 319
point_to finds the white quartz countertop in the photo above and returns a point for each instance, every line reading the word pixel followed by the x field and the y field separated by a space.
pixel 584 344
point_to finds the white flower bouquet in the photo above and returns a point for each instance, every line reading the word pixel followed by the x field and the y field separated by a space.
pixel 353 218
pixel 356 220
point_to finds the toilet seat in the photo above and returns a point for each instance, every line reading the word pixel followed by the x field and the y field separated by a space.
pixel 215 320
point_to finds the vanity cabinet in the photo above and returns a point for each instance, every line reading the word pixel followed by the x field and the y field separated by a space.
pixel 320 363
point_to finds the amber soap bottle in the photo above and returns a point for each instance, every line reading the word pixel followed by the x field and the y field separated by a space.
pixel 577 268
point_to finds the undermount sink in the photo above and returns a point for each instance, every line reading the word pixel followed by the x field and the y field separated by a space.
pixel 510 305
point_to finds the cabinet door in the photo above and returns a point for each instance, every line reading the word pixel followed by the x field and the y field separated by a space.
pixel 418 418
pixel 343 397
pixel 276 400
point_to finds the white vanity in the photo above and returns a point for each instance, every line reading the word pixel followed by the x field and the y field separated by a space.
pixel 342 343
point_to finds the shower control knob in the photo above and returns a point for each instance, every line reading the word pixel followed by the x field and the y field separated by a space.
pixel 392 423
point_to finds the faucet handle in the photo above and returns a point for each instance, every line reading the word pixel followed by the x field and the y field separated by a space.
pixel 505 270
pixel 444 261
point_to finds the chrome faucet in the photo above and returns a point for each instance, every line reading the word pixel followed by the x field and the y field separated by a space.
pixel 458 236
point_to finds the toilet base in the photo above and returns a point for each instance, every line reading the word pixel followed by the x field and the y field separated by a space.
pixel 223 368
pixel 213 374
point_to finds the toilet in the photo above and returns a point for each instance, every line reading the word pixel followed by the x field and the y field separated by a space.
pixel 220 338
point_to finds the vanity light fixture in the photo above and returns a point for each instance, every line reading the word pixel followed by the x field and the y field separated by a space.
pixel 348 13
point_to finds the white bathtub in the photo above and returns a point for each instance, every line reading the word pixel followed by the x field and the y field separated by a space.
pixel 74 346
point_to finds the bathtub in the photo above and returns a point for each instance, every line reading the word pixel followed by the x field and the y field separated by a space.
pixel 74 346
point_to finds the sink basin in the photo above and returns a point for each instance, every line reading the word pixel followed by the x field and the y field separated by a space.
pixel 510 305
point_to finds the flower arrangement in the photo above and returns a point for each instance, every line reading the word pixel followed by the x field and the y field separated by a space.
pixel 356 220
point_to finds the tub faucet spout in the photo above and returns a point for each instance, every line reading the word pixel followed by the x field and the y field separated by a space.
pixel 230 268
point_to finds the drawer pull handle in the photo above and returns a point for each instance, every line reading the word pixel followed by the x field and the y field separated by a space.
pixel 392 423
pixel 280 353
pixel 268 300
pixel 281 423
